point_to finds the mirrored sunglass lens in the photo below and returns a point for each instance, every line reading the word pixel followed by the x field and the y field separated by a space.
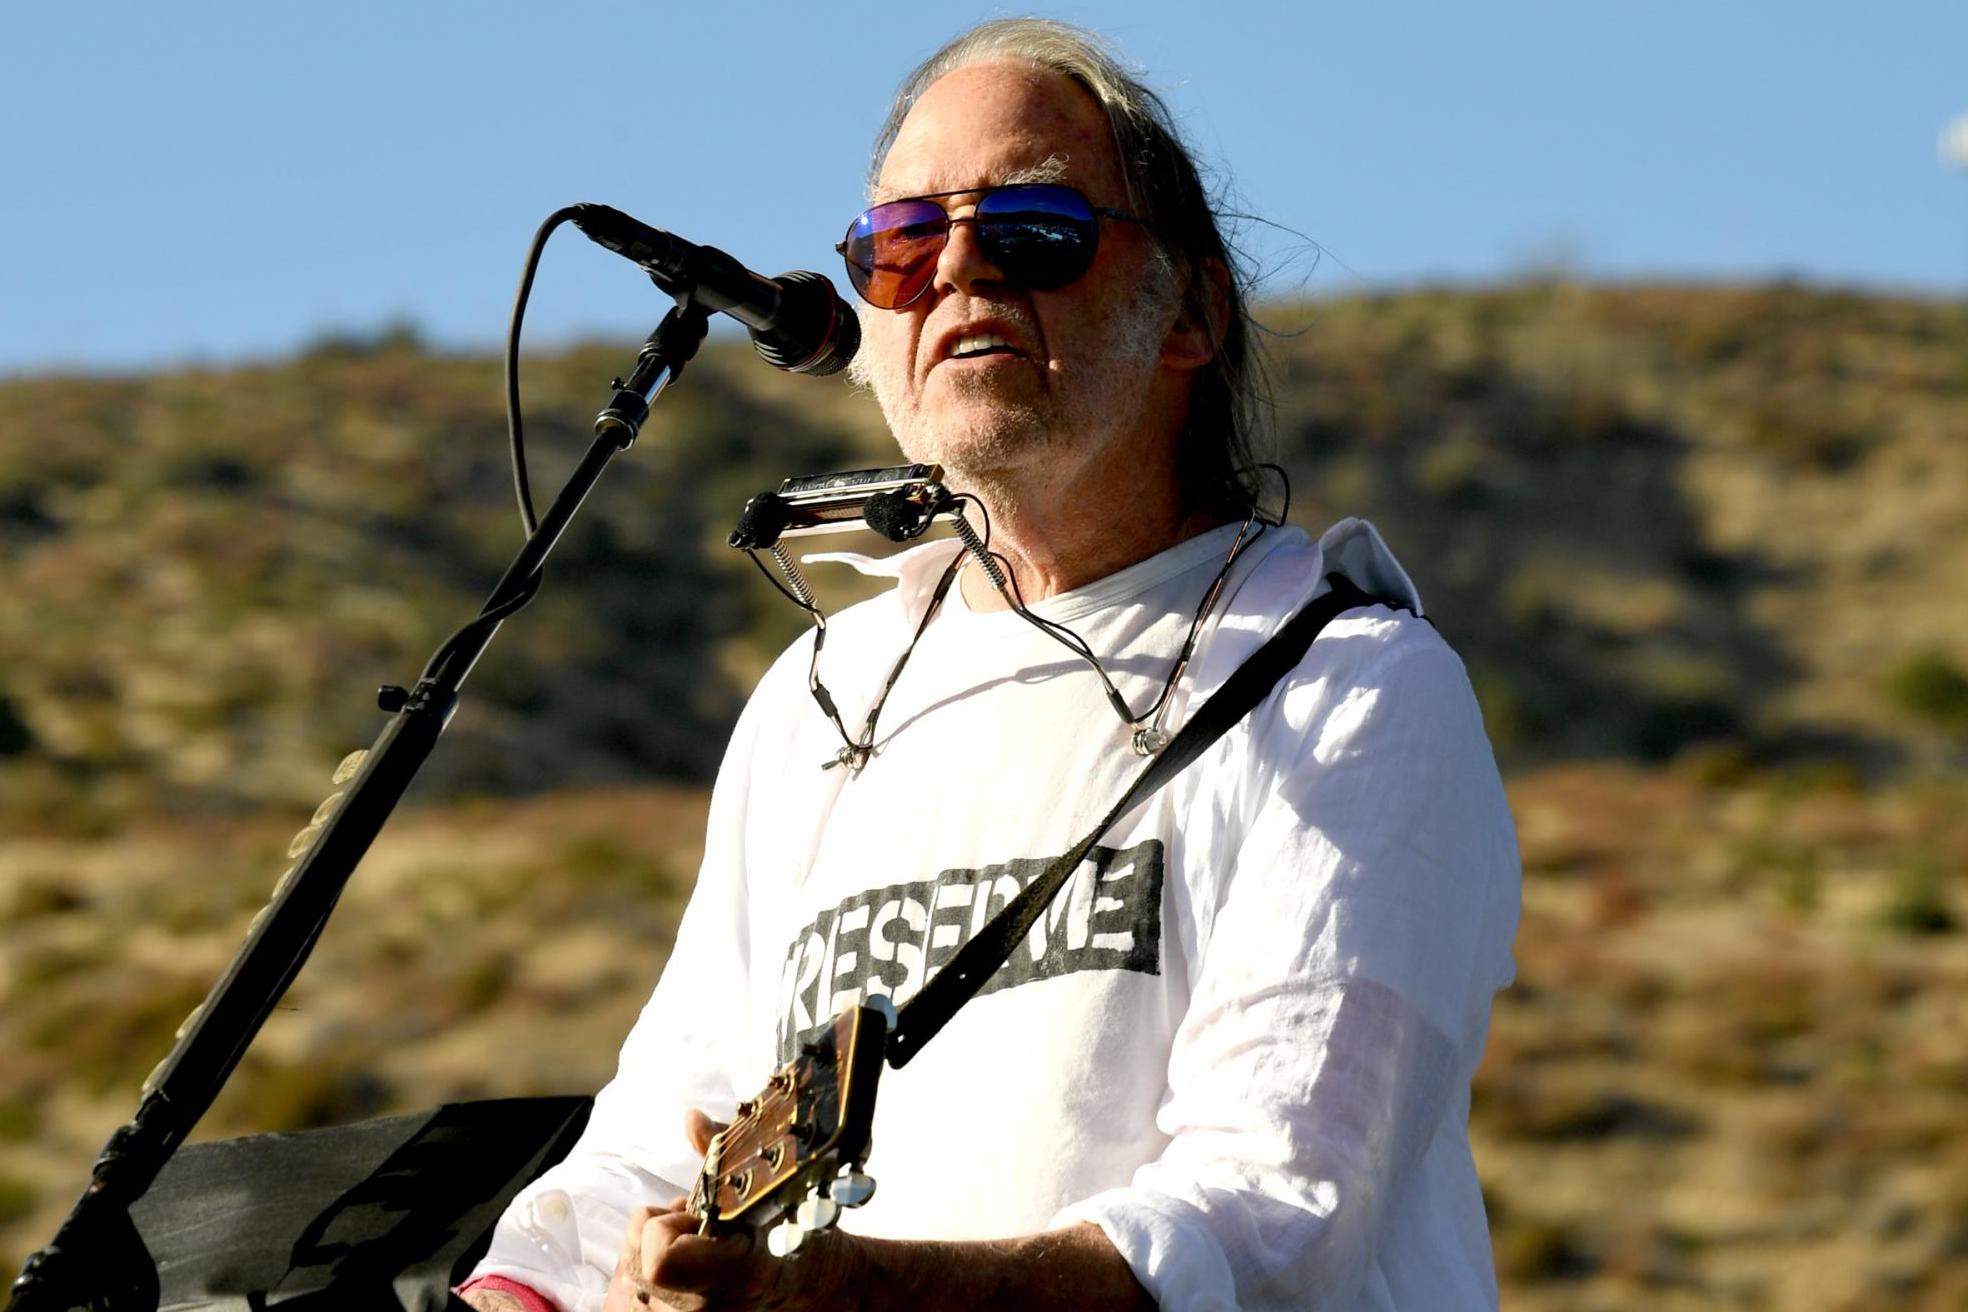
pixel 892 249
pixel 1042 237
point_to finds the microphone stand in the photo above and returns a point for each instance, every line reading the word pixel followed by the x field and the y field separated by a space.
pixel 97 1260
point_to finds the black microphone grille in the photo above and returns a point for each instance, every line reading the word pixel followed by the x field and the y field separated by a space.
pixel 893 516
pixel 818 332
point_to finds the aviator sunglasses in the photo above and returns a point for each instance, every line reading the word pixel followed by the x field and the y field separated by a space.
pixel 1040 235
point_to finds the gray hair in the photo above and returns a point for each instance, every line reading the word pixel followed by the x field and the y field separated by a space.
pixel 1165 188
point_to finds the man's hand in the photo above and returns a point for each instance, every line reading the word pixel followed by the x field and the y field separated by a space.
pixel 665 1263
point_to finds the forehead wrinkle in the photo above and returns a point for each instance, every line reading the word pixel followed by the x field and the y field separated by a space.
pixel 1052 168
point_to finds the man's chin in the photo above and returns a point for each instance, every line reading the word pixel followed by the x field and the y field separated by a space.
pixel 981 450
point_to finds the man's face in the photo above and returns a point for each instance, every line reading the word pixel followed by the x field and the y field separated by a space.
pixel 1075 379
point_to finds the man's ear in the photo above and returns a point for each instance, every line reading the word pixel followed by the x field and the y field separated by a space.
pixel 1192 340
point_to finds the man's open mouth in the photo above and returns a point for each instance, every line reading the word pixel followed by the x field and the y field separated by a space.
pixel 981 344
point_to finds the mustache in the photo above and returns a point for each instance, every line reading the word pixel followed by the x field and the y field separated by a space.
pixel 953 312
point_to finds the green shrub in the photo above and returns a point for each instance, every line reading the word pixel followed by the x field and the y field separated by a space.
pixel 1536 1248
pixel 15 736
pixel 1918 901
pixel 1930 685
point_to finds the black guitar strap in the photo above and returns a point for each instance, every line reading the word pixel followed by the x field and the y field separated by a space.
pixel 919 1019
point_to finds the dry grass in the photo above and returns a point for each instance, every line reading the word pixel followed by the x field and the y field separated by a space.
pixel 480 950
pixel 1704 1092
pixel 1709 1091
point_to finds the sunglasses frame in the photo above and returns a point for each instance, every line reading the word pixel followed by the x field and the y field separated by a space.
pixel 1094 212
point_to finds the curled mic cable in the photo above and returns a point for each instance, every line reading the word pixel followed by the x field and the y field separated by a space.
pixel 498 608
pixel 515 429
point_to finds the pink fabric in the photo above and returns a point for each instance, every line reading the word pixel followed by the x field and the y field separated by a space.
pixel 529 1298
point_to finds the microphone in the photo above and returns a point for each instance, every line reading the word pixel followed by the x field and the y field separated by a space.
pixel 798 321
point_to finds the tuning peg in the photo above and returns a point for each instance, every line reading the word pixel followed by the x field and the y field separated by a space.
pixel 784 1239
pixel 882 1003
pixel 817 1213
pixel 852 1188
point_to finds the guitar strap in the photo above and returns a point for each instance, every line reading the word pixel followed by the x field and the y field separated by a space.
pixel 919 1019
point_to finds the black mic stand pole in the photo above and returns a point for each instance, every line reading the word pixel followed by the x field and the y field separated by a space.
pixel 97 1260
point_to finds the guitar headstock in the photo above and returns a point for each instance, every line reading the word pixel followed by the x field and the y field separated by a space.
pixel 799 1146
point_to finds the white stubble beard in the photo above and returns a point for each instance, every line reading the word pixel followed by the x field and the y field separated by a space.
pixel 1103 391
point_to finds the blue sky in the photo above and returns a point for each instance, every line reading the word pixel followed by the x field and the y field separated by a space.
pixel 226 180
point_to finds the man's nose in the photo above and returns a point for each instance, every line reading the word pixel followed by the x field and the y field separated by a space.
pixel 963 266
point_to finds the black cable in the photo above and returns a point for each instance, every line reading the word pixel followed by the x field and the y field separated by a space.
pixel 784 591
pixel 1284 481
pixel 488 618
pixel 865 748
pixel 1053 629
pixel 1196 624
pixel 515 435
pixel 1059 633
pixel 821 696
pixel 1074 643
pixel 496 611
pixel 854 754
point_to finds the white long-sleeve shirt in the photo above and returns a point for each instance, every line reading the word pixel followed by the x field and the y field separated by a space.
pixel 1241 1040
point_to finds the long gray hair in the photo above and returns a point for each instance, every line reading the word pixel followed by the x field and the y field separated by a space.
pixel 1165 188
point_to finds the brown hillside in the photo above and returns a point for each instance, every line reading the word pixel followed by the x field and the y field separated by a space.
pixel 1649 518
pixel 1653 516
pixel 1733 1072
pixel 1704 551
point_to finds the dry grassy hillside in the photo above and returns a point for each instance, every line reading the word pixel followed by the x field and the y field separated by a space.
pixel 1655 516
pixel 1733 1072
pixel 1648 517
pixel 1704 551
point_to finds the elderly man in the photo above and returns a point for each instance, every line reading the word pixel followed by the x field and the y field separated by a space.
pixel 1237 1073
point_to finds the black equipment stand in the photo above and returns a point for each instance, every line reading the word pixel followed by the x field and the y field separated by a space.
pixel 97 1259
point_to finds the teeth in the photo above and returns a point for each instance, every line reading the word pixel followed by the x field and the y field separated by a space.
pixel 979 342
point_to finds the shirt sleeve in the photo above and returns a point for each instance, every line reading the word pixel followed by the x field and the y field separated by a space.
pixel 1358 894
pixel 562 1234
